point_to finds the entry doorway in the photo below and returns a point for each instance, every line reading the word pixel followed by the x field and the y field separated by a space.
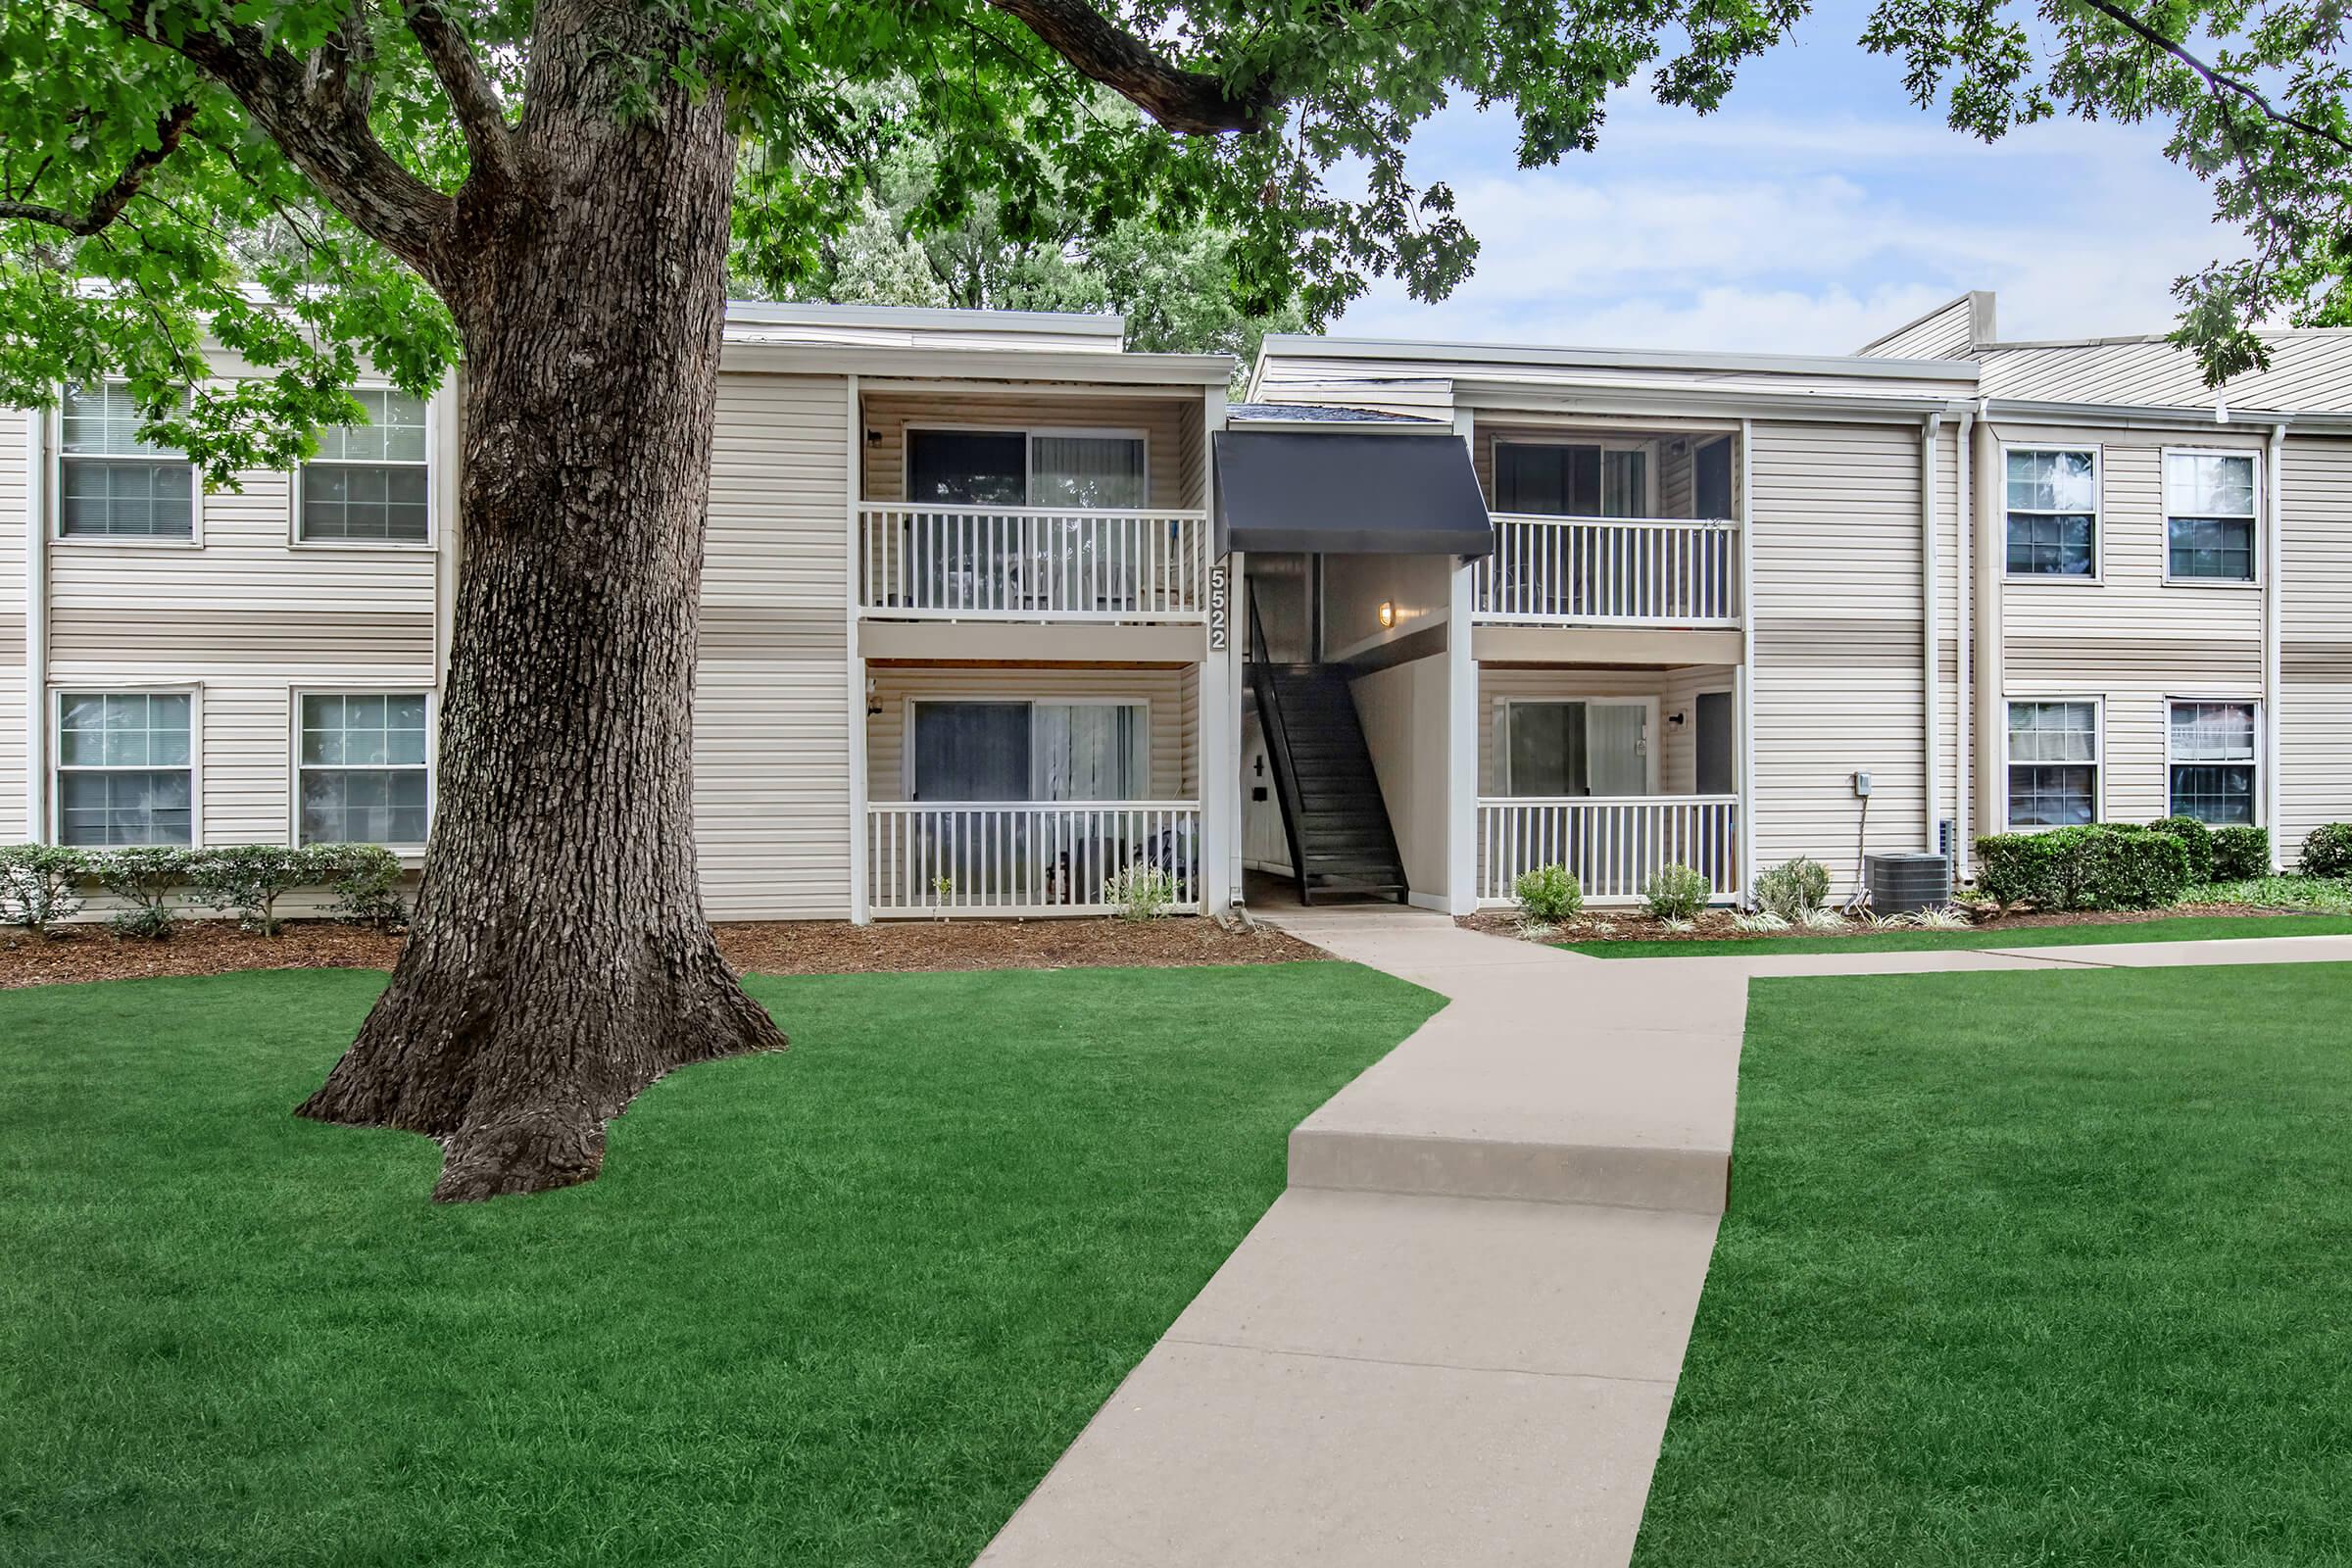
pixel 1556 749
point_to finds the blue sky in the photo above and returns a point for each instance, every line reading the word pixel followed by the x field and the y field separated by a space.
pixel 1815 211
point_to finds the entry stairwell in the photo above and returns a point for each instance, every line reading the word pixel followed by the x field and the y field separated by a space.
pixel 1332 814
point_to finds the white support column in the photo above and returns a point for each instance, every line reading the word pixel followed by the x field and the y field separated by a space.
pixel 1929 625
pixel 1218 702
pixel 1963 618
pixel 1229 788
pixel 855 657
pixel 1746 686
pixel 1992 644
pixel 36 627
pixel 1461 716
pixel 2273 605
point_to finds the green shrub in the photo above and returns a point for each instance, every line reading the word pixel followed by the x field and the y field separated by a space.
pixel 2239 853
pixel 2327 851
pixel 247 880
pixel 1676 893
pixel 2197 838
pixel 144 879
pixel 1140 892
pixel 1793 889
pixel 2099 867
pixel 366 884
pixel 39 884
pixel 1548 894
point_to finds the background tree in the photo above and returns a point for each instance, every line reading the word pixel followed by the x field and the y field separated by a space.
pixel 554 188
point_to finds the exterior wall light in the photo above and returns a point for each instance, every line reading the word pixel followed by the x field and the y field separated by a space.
pixel 1388 614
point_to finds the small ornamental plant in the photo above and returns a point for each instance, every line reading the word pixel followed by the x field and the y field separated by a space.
pixel 1548 896
pixel 1140 892
pixel 1676 893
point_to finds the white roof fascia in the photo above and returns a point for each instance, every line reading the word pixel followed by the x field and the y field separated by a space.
pixel 1503 398
pixel 923 318
pixel 1466 356
pixel 933 364
pixel 2176 417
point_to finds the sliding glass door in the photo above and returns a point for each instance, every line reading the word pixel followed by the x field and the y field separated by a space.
pixel 1066 562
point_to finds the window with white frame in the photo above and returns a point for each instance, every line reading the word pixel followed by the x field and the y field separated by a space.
pixel 125 768
pixel 2211 763
pixel 1025 751
pixel 368 484
pixel 2053 764
pixel 1089 469
pixel 363 778
pixel 2053 505
pixel 2210 515
pixel 1571 479
pixel 111 484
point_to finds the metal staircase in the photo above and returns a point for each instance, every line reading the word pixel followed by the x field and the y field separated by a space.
pixel 1332 812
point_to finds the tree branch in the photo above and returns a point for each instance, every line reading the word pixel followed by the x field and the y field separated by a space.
pixel 480 115
pixel 315 109
pixel 1188 101
pixel 2216 80
pixel 108 204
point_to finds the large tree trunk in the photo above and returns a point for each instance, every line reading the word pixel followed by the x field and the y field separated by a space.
pixel 559 961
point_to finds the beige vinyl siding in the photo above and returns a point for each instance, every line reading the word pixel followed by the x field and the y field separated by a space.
pixel 1192 456
pixel 1678 470
pixel 13 536
pixel 1839 676
pixel 771 786
pixel 1948 332
pixel 1174 480
pixel 1171 695
pixel 247 616
pixel 2128 639
pixel 2315 654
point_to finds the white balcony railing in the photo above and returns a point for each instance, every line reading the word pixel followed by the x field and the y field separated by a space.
pixel 1612 845
pixel 1610 572
pixel 924 561
pixel 934 859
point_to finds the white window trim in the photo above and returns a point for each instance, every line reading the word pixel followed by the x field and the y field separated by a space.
pixel 2164 508
pixel 1649 446
pixel 1651 738
pixel 2098 515
pixel 53 428
pixel 2098 764
pixel 364 688
pixel 432 491
pixel 1029 433
pixel 56 719
pixel 2261 816
pixel 912 701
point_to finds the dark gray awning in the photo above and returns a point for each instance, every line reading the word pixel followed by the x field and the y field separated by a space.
pixel 1350 492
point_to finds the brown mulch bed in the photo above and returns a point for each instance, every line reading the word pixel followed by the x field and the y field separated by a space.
pixel 775 946
pixel 1715 925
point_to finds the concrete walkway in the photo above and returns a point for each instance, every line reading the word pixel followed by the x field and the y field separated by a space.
pixel 1456 1338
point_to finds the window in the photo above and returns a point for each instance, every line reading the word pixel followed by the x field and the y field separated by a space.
pixel 2053 764
pixel 124 772
pixel 1016 468
pixel 1564 480
pixel 363 768
pixel 111 484
pixel 1711 480
pixel 1021 750
pixel 1577 748
pixel 2210 757
pixel 2053 514
pixel 368 483
pixel 2209 516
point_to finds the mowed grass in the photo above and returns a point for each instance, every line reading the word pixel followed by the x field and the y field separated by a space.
pixel 2042 1268
pixel 2185 928
pixel 839 1306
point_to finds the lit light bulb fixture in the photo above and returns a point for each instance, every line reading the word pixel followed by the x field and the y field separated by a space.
pixel 1388 614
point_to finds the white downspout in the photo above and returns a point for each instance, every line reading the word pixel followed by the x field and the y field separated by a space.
pixel 36 627
pixel 1929 429
pixel 1462 717
pixel 2273 604
pixel 1749 839
pixel 1964 720
pixel 854 463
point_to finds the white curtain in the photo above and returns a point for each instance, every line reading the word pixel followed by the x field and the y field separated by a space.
pixel 1087 752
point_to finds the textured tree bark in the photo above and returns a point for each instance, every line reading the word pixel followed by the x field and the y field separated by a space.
pixel 559 961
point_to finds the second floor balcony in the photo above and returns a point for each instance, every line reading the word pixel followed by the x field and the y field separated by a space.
pixel 1662 572
pixel 954 561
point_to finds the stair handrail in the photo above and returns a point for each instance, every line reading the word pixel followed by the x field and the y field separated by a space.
pixel 1278 744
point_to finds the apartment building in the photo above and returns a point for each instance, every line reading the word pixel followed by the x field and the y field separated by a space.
pixel 993 610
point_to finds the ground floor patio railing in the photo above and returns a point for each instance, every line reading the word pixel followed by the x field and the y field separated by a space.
pixel 937 859
pixel 1611 845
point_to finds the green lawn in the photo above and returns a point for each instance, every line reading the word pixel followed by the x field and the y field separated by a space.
pixel 839 1306
pixel 2042 1268
pixel 2185 928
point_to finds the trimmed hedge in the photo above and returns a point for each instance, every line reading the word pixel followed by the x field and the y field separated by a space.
pixel 2103 867
pixel 2240 854
pixel 40 883
pixel 2327 851
pixel 2197 838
